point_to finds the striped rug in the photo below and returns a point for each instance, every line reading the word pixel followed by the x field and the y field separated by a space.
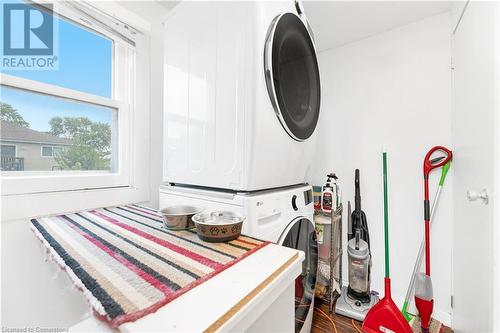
pixel 127 265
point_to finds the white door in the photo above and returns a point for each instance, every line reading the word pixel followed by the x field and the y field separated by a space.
pixel 473 129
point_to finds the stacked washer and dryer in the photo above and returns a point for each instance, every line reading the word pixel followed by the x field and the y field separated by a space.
pixel 241 104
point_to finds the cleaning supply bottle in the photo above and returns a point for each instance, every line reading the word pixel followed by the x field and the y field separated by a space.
pixel 329 195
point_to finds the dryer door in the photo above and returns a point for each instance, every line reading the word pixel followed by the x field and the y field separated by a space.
pixel 300 235
pixel 292 75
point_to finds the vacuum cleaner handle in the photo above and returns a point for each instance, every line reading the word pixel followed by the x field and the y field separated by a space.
pixel 357 192
pixel 349 221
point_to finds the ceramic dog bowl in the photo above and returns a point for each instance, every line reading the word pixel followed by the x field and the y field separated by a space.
pixel 218 226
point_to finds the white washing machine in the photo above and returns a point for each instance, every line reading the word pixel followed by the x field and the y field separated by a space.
pixel 242 95
pixel 283 216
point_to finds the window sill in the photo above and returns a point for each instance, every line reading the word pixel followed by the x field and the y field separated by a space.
pixel 24 206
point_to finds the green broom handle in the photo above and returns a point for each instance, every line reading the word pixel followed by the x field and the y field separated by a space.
pixel 386 216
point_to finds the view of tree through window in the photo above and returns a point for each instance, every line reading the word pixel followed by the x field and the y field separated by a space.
pixel 72 136
pixel 90 147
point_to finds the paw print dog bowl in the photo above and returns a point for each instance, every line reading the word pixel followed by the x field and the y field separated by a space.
pixel 218 226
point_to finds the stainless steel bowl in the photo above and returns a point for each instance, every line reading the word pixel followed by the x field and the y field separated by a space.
pixel 179 217
pixel 218 226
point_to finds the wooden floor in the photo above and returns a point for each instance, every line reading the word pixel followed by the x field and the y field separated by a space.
pixel 343 324
pixel 321 324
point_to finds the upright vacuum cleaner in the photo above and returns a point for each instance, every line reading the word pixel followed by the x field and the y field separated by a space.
pixel 356 299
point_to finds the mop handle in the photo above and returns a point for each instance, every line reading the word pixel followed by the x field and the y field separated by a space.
pixel 429 165
pixel 420 255
pixel 427 221
pixel 386 215
pixel 418 262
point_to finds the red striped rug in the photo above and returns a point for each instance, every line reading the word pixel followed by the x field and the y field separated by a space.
pixel 127 265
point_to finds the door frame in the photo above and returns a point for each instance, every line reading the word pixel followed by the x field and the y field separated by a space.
pixel 496 186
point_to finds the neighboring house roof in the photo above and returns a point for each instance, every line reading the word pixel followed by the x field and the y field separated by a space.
pixel 13 132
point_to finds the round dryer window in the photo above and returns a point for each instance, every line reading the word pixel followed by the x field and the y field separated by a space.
pixel 292 75
pixel 301 235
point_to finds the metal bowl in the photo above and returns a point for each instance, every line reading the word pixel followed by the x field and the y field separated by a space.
pixel 218 226
pixel 179 217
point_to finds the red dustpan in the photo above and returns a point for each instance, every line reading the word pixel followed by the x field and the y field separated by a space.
pixel 385 316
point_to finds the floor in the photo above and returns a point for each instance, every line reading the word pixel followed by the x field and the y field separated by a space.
pixel 343 324
pixel 321 324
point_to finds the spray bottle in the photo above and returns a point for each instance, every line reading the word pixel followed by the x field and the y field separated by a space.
pixel 329 194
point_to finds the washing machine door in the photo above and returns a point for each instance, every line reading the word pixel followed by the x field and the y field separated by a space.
pixel 292 75
pixel 300 235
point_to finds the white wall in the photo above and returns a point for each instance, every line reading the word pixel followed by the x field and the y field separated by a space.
pixel 154 14
pixel 156 148
pixel 392 89
pixel 35 291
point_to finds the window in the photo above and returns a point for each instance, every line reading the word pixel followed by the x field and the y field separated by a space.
pixel 73 122
pixel 48 151
pixel 8 150
pixel 9 161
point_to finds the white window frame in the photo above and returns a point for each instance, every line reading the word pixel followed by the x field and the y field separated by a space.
pixel 11 145
pixel 49 146
pixel 19 207
pixel 46 156
pixel 123 101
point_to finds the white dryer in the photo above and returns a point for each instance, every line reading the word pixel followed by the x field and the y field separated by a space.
pixel 242 95
pixel 282 216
